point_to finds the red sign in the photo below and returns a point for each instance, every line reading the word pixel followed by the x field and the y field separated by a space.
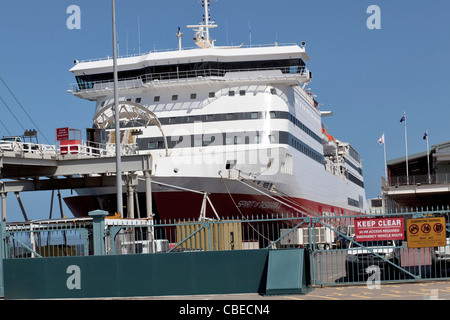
pixel 62 134
pixel 379 229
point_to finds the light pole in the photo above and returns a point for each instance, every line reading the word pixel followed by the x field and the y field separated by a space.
pixel 117 117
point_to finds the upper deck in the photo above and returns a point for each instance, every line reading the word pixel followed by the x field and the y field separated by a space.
pixel 277 62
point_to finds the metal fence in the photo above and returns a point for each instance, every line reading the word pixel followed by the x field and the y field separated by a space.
pixel 53 238
pixel 336 257
pixel 380 260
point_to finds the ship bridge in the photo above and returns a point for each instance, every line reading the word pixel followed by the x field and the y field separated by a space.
pixel 277 64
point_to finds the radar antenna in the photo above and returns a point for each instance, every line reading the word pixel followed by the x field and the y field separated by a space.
pixel 202 38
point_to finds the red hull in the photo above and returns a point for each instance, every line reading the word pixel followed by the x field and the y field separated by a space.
pixel 185 205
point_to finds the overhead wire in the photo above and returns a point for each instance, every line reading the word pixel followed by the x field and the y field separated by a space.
pixel 23 109
pixel 9 133
pixel 9 109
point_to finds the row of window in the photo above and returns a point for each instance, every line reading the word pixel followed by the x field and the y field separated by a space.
pixel 192 70
pixel 231 116
pixel 302 126
pixel 205 140
pixel 353 202
pixel 239 138
pixel 359 170
pixel 193 96
pixel 354 179
pixel 306 150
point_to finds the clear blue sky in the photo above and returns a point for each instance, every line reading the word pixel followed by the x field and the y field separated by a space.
pixel 366 77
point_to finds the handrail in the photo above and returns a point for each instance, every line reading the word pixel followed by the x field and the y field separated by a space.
pixel 419 179
pixel 83 148
pixel 176 75
pixel 187 49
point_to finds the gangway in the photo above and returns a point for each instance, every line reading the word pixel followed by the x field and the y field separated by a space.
pixel 34 171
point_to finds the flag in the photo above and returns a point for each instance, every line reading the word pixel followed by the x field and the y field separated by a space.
pixel 381 140
pixel 403 118
pixel 425 135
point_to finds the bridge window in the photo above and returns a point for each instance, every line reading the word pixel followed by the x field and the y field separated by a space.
pixel 190 70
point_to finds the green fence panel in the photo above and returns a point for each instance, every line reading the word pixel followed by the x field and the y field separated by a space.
pixel 193 273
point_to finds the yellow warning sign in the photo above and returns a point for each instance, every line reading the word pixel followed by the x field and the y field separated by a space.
pixel 426 232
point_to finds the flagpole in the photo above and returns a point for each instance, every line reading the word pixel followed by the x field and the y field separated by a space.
pixel 428 159
pixel 386 181
pixel 406 146
pixel 385 162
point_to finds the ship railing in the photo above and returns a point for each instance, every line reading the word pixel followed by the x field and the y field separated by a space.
pixel 81 148
pixel 27 148
pixel 420 179
pixel 96 149
pixel 186 49
pixel 136 82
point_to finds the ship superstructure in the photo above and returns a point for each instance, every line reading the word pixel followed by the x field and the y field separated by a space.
pixel 237 124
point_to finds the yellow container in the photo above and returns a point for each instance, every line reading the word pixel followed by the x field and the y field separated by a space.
pixel 221 236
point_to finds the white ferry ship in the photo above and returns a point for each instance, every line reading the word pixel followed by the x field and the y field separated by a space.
pixel 238 124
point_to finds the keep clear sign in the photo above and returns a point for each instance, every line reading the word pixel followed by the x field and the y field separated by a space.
pixel 426 232
pixel 379 229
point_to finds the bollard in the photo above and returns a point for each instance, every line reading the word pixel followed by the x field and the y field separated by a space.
pixel 99 231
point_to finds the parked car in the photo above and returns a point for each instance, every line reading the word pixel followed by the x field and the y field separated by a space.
pixel 10 143
pixel 362 259
pixel 17 144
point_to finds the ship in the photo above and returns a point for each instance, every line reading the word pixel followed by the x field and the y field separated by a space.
pixel 233 131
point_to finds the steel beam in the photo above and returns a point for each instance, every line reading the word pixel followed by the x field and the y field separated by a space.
pixel 15 168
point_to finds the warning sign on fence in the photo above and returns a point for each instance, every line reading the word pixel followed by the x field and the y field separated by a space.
pixel 426 232
pixel 379 229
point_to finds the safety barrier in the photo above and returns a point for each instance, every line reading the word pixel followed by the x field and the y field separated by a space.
pixel 337 257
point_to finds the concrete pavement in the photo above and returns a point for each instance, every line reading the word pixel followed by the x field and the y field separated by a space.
pixel 426 290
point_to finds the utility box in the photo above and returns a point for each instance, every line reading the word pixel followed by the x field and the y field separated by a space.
pixel 288 272
pixel 300 237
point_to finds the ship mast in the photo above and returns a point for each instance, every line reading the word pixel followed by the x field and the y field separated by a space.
pixel 202 37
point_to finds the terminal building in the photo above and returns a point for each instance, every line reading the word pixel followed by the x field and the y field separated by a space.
pixel 427 184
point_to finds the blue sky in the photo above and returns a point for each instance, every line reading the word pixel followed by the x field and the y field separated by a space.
pixel 366 77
